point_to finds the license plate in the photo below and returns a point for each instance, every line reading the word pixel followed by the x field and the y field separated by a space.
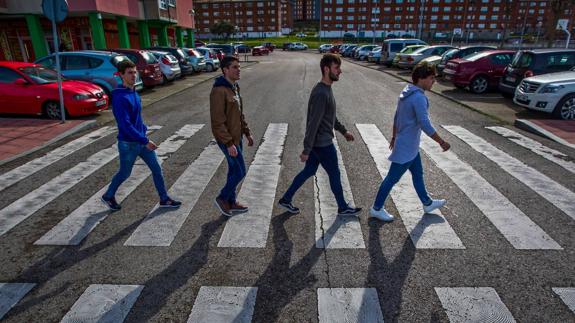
pixel 521 97
pixel 100 103
pixel 510 79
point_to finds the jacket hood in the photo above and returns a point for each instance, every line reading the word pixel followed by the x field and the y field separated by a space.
pixel 409 90
pixel 221 81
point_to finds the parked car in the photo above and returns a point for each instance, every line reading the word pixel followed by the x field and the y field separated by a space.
pixel 459 53
pixel 269 46
pixel 260 50
pixel 146 64
pixel 362 52
pixel 185 65
pixel 551 93
pixel 219 54
pixel 527 63
pixel 375 55
pixel 227 49
pixel 324 48
pixel 300 35
pixel 406 50
pixel 27 88
pixel 211 58
pixel 298 46
pixel 98 67
pixel 335 49
pixel 348 51
pixel 196 59
pixel 393 46
pixel 242 48
pixel 286 46
pixel 409 61
pixel 432 60
pixel 479 71
pixel 168 65
pixel 199 43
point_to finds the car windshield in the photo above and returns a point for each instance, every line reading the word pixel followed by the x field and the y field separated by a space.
pixel 150 59
pixel 39 74
pixel 182 53
pixel 522 59
pixel 450 53
pixel 475 56
pixel 420 50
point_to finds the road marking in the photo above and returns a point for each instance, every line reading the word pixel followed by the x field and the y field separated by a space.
pixel 78 224
pixel 250 229
pixel 17 174
pixel 333 231
pixel 473 304
pixel 12 293
pixel 348 305
pixel 515 226
pixel 550 190
pixel 224 304
pixel 427 231
pixel 161 226
pixel 104 304
pixel 553 155
pixel 567 296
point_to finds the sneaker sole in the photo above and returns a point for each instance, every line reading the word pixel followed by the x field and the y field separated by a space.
pixel 107 205
pixel 290 210
pixel 221 210
pixel 170 206
pixel 349 214
pixel 380 219
pixel 239 211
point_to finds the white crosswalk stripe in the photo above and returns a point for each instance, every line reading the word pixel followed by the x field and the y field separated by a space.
pixel 17 174
pixel 427 231
pixel 359 305
pixel 567 296
pixel 12 293
pixel 161 226
pixel 224 305
pixel 103 304
pixel 553 155
pixel 331 230
pixel 473 304
pixel 515 226
pixel 78 224
pixel 250 229
pixel 552 191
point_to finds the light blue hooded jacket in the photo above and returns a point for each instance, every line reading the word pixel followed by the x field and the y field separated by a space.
pixel 411 117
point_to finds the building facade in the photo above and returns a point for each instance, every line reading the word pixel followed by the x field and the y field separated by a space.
pixel 26 35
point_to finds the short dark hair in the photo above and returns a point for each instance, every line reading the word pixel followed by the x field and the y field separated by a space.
pixel 125 64
pixel 329 59
pixel 422 70
pixel 227 61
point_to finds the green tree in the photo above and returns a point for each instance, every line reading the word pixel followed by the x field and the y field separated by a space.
pixel 224 28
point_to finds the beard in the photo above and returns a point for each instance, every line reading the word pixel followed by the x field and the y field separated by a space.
pixel 333 77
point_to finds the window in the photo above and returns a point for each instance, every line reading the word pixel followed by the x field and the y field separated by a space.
pixel 339 1
pixel 350 18
pixel 541 11
pixel 557 62
pixel 494 17
pixel 433 26
pixel 338 18
pixel 350 9
pixel 483 9
pixel 172 3
pixel 163 4
pixel 397 18
pixel 249 13
pixel 446 18
pixel 447 9
pixel 8 76
pixel 260 4
pixel 495 9
pixel 481 26
pixel 501 59
pixel 338 9
pixel 531 11
pixel 398 9
pixel 482 17
pixel 387 9
pixel 433 18
pixel 399 1
pixel 205 6
pixel 493 26
pixel 75 62
pixel 349 26
pixel 435 9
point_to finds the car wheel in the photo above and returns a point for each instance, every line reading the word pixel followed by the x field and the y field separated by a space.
pixel 210 68
pixel 164 79
pixel 565 109
pixel 52 110
pixel 478 85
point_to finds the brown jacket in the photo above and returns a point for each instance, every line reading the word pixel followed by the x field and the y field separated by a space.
pixel 226 112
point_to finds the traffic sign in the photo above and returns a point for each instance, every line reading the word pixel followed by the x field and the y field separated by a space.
pixel 55 10
pixel 457 31
pixel 562 24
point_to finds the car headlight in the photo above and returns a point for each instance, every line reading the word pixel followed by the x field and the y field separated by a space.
pixel 80 97
pixel 551 88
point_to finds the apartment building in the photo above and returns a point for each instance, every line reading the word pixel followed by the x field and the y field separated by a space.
pixel 306 10
pixel 26 35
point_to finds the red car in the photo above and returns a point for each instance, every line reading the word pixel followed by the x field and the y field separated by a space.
pixel 146 63
pixel 480 71
pixel 269 46
pixel 260 50
pixel 27 88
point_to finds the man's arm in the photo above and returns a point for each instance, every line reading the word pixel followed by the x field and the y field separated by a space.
pixel 423 119
pixel 341 128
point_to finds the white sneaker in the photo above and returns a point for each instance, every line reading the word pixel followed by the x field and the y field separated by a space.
pixel 435 204
pixel 381 215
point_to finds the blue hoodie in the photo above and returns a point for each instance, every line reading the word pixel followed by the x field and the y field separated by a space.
pixel 411 117
pixel 127 108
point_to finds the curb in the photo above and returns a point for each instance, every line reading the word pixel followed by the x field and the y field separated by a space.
pixel 531 127
pixel 81 127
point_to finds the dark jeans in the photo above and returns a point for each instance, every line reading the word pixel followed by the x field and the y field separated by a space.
pixel 394 175
pixel 327 157
pixel 129 151
pixel 236 172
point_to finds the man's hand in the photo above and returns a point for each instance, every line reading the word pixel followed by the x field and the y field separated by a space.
pixel 151 145
pixel 250 140
pixel 445 145
pixel 303 157
pixel 392 143
pixel 348 136
pixel 232 151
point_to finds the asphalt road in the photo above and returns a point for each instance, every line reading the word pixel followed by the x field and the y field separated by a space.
pixel 289 270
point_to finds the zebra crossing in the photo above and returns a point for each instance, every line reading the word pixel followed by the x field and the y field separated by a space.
pixel 112 303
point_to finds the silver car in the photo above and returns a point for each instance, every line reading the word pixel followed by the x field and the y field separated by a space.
pixel 410 60
pixel 362 52
pixel 212 61
pixel 168 65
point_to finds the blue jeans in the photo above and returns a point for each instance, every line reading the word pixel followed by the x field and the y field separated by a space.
pixel 236 172
pixel 327 157
pixel 395 172
pixel 129 151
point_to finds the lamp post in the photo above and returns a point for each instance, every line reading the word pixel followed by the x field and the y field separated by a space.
pixel 539 24
pixel 421 9
pixel 523 27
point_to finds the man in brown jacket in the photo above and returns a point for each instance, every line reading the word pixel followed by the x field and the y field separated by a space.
pixel 228 127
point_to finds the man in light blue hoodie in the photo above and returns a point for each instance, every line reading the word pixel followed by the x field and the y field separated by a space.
pixel 411 117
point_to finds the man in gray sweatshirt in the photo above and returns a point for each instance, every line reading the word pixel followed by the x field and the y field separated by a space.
pixel 318 142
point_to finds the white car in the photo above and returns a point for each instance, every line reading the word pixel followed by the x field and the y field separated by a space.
pixel 375 55
pixel 325 48
pixel 298 46
pixel 551 93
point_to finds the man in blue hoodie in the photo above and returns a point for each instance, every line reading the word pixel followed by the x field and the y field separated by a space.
pixel 132 140
pixel 411 117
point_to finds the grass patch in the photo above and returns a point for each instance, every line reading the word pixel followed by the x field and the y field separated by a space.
pixel 311 42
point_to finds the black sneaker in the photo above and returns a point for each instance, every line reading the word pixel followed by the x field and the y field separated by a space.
pixel 170 203
pixel 349 211
pixel 288 206
pixel 111 203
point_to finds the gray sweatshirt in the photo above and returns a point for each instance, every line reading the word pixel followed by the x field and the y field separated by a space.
pixel 321 119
